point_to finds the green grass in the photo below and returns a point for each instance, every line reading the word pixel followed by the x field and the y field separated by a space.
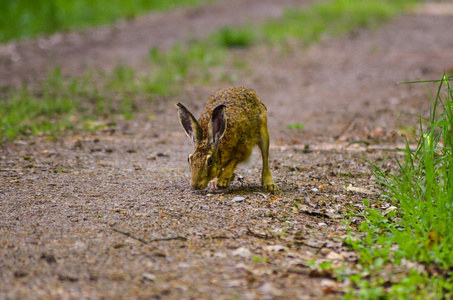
pixel 231 37
pixel 59 103
pixel 408 253
pixel 28 18
pixel 310 24
pixel 295 126
pixel 195 63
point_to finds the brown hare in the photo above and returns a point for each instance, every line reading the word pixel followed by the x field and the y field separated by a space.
pixel 234 121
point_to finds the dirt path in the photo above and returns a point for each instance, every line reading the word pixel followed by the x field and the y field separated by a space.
pixel 82 217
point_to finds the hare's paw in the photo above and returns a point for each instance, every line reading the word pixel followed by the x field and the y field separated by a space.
pixel 269 184
pixel 212 184
pixel 223 182
pixel 271 187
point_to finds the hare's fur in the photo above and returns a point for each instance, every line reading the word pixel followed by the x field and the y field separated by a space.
pixel 234 121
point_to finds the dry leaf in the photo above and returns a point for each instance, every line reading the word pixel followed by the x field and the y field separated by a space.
pixel 242 252
pixel 275 248
pixel 356 189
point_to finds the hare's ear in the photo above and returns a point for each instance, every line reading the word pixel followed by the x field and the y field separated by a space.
pixel 217 125
pixel 190 124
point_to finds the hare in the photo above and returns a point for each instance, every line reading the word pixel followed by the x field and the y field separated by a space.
pixel 234 121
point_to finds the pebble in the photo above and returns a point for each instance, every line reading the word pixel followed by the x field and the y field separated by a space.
pixel 238 199
pixel 149 276
pixel 242 252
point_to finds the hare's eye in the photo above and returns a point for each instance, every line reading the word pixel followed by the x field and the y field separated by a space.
pixel 209 161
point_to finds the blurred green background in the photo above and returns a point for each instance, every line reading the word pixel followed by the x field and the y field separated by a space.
pixel 27 18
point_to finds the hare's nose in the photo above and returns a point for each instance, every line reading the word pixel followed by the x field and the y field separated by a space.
pixel 196 185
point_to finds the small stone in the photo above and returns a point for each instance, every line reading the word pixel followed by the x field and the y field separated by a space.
pixel 49 258
pixel 242 252
pixel 142 215
pixel 276 248
pixel 332 255
pixel 149 276
pixel 20 274
pixel 238 199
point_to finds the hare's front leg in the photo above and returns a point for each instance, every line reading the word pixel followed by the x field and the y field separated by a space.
pixel 227 174
pixel 266 177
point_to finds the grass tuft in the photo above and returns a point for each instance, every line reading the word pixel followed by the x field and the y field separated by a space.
pixel 416 238
pixel 230 37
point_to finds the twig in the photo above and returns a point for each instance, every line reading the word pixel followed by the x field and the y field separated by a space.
pixel 130 235
pixel 178 237
pixel 220 237
pixel 258 235
pixel 311 246
pixel 348 125
pixel 316 213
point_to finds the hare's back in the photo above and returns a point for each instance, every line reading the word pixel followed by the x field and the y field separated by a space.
pixel 240 101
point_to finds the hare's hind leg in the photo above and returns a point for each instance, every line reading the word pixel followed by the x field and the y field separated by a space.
pixel 266 176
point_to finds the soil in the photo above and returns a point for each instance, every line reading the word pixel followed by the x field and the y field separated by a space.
pixel 110 214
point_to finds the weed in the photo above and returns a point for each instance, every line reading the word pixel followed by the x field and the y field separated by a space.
pixel 259 259
pixel 230 37
pixel 295 126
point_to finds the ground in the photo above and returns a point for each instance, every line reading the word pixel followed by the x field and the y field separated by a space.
pixel 110 214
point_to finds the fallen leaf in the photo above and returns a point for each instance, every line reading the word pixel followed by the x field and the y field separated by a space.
pixel 388 210
pixel 329 286
pixel 149 276
pixel 275 248
pixel 235 283
pixel 142 215
pixel 349 256
pixel 356 189
pixel 434 237
pixel 242 252
pixel 268 289
pixel 332 255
